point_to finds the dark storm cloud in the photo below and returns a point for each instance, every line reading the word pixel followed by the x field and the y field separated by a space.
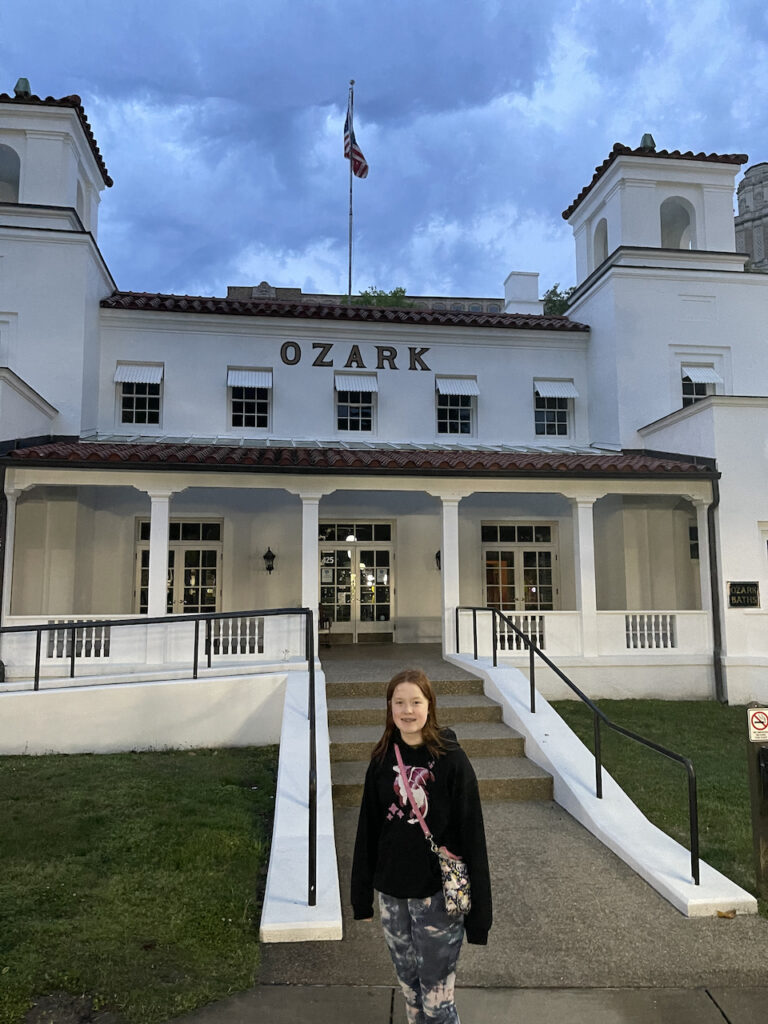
pixel 480 120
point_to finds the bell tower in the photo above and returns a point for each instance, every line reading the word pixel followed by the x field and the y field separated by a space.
pixel 49 157
pixel 641 198
pixel 658 279
pixel 52 275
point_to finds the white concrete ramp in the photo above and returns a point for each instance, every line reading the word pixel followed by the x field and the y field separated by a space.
pixel 614 819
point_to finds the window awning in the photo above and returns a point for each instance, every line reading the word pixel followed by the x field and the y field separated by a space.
pixel 249 378
pixel 456 386
pixel 555 389
pixel 702 374
pixel 356 382
pixel 134 373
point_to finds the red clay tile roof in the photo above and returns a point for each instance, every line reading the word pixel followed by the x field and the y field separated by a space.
pixel 664 154
pixel 151 302
pixel 339 460
pixel 76 104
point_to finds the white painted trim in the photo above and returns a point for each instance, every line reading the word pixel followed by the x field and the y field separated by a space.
pixel 29 394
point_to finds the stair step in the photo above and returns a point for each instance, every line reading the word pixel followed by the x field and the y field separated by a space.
pixel 499 778
pixel 379 689
pixel 452 708
pixel 479 739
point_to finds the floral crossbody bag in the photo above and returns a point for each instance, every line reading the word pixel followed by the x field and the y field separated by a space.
pixel 453 870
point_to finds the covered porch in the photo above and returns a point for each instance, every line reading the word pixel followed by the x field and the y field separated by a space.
pixel 603 560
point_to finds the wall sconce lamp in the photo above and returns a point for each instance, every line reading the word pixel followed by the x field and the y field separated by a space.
pixel 437 560
pixel 269 559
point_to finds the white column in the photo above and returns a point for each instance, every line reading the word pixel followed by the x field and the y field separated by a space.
pixel 11 495
pixel 310 579
pixel 702 523
pixel 160 513
pixel 449 571
pixel 584 569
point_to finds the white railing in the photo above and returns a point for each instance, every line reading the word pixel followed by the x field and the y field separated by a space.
pixel 113 645
pixel 620 632
pixel 530 625
pixel 646 630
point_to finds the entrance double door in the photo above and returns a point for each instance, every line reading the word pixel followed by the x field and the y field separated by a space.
pixel 194 567
pixel 357 590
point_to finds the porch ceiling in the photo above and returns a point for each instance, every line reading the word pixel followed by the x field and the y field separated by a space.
pixel 407 460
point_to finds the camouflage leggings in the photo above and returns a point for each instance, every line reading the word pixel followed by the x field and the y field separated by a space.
pixel 424 943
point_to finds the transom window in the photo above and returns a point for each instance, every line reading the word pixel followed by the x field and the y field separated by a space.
pixel 350 532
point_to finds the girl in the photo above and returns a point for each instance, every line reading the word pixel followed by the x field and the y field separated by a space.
pixel 393 856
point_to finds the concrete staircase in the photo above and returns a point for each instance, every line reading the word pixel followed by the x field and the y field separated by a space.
pixel 356 721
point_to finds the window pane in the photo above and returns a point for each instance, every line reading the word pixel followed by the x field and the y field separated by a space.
pixel 489 534
pixel 382 531
pixel 542 534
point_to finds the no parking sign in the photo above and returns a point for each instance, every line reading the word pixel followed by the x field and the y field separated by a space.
pixel 758 725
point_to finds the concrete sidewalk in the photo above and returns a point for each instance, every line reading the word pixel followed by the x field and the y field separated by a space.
pixel 334 1004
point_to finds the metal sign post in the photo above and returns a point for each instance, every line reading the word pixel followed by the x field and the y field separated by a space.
pixel 757 761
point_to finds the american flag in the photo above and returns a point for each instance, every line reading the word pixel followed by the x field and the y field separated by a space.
pixel 351 149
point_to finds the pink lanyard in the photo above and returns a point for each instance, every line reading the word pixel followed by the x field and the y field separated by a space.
pixel 411 800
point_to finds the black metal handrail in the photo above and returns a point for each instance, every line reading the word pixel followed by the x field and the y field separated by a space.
pixel 598 717
pixel 208 618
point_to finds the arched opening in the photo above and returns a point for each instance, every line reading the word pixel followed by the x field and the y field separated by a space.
pixel 600 242
pixel 678 224
pixel 10 167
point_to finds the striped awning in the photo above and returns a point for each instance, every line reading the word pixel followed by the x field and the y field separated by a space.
pixel 249 378
pixel 555 389
pixel 136 373
pixel 702 374
pixel 356 382
pixel 457 386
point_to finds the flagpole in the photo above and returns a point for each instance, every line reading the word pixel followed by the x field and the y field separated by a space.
pixel 351 110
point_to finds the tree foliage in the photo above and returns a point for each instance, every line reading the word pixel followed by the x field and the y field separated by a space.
pixel 556 301
pixel 378 297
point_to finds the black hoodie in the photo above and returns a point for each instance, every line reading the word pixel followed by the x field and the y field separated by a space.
pixel 391 851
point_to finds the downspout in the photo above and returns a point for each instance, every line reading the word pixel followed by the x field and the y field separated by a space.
pixel 3 542
pixel 714 584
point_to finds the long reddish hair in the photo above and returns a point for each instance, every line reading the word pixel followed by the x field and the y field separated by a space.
pixel 430 734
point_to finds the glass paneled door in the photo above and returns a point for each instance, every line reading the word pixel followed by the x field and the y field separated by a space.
pixel 356 585
pixel 194 567
pixel 520 567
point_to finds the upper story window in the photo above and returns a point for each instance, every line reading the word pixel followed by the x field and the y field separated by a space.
pixel 10 167
pixel 356 401
pixel 698 382
pixel 456 404
pixel 250 393
pixel 139 392
pixel 553 407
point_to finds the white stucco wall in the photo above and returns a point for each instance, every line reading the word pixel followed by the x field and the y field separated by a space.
pixel 217 712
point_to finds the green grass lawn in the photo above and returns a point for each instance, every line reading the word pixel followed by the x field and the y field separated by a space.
pixel 714 738
pixel 134 878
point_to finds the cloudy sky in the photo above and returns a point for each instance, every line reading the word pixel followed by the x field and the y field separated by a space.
pixel 221 125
